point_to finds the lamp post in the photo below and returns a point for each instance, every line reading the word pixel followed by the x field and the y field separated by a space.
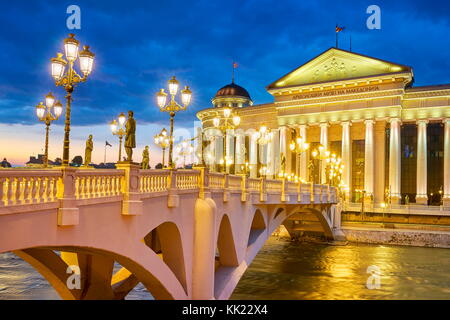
pixel 263 137
pixel 321 154
pixel 162 140
pixel 44 113
pixel 68 79
pixel 298 147
pixel 118 129
pixel 173 107
pixel 225 123
pixel 185 149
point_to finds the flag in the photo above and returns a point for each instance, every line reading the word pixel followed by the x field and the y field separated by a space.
pixel 339 29
pixel 107 144
pixel 235 65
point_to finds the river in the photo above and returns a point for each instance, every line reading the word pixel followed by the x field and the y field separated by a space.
pixel 292 270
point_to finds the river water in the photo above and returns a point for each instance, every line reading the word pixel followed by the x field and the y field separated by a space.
pixel 292 270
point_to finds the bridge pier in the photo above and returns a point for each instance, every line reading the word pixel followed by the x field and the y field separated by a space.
pixel 204 250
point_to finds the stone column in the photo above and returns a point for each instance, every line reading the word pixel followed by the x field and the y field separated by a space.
pixel 303 161
pixel 324 142
pixel 253 157
pixel 230 149
pixel 284 146
pixel 239 150
pixel 346 157
pixel 421 191
pixel 276 150
pixel 380 161
pixel 271 156
pixel 395 161
pixel 369 161
pixel 447 162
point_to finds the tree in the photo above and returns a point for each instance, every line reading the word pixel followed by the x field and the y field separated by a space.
pixel 159 166
pixel 77 161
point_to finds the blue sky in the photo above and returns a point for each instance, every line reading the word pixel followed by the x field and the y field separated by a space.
pixel 140 44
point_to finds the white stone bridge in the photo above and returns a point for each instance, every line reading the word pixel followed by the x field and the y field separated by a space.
pixel 185 234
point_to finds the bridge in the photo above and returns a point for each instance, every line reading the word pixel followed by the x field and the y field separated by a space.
pixel 184 234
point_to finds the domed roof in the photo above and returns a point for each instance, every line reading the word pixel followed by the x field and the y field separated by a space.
pixel 232 89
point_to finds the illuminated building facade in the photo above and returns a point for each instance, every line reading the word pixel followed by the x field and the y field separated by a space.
pixel 393 138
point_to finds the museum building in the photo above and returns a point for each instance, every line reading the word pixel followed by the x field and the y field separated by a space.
pixel 393 138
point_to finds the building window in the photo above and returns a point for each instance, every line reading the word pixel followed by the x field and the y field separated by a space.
pixel 435 162
pixel 358 149
pixel 408 137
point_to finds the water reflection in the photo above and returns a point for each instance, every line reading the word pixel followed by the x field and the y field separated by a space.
pixel 285 270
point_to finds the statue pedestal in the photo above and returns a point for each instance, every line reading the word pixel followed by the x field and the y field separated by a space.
pixel 131 204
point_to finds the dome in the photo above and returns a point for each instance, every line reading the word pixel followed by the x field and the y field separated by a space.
pixel 232 89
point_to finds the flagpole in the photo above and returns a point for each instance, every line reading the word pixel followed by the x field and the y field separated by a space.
pixel 232 75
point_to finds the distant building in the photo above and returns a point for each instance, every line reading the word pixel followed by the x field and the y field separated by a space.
pixel 5 163
pixel 108 165
pixel 39 161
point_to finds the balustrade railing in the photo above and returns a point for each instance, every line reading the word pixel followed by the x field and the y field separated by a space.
pixel 235 182
pixel 274 186
pixel 98 183
pixel 216 180
pixel 187 180
pixel 22 187
pixel 154 181
pixel 254 184
pixel 19 187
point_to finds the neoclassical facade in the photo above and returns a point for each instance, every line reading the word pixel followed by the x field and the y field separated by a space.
pixel 393 138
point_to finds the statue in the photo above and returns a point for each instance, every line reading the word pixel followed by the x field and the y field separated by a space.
pixel 145 158
pixel 130 138
pixel 88 151
pixel 283 163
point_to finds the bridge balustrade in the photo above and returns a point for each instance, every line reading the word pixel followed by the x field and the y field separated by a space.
pixel 21 187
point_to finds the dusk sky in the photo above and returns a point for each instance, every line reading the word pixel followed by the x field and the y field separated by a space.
pixel 139 45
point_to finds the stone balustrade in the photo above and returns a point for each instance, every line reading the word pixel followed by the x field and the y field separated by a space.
pixel 98 183
pixel 22 187
pixel 153 181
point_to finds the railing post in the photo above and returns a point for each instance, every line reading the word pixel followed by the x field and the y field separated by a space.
pixel 68 212
pixel 244 187
pixel 262 189
pixel 173 199
pixel 284 190
pixel 131 203
pixel 226 191
pixel 203 183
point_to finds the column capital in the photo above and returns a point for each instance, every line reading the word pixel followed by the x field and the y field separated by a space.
pixel 346 123
pixel 324 124
pixel 422 121
pixel 395 120
pixel 303 126
pixel 446 121
pixel 369 121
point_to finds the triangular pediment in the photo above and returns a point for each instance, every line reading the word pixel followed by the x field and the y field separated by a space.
pixel 334 65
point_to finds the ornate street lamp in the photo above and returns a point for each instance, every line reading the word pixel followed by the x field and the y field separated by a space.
pixel 162 140
pixel 229 121
pixel 173 107
pixel 68 79
pixel 321 155
pixel 45 114
pixel 118 129
pixel 184 149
